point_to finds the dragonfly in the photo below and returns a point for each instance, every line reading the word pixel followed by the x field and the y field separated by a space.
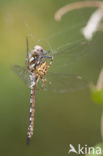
pixel 35 73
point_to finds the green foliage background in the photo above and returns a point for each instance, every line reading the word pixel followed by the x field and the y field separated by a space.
pixel 60 119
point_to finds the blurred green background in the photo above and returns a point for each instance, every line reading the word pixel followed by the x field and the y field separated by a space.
pixel 60 119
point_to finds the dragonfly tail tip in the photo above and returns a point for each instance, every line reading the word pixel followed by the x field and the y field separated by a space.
pixel 28 141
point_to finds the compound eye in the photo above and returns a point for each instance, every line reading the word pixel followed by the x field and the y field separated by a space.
pixel 41 50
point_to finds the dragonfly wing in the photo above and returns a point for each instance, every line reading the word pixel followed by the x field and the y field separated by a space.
pixel 62 83
pixel 69 47
pixel 22 73
pixel 56 82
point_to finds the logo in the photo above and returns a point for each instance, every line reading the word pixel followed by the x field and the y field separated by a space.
pixel 84 149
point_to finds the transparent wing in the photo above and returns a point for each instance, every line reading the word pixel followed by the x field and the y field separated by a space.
pixel 56 82
pixel 67 47
pixel 62 83
pixel 22 73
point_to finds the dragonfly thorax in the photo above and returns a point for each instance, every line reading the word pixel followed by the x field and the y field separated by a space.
pixel 34 61
pixel 35 58
pixel 37 64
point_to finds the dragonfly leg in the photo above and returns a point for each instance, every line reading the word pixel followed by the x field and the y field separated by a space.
pixel 49 57
pixel 43 79
pixel 46 52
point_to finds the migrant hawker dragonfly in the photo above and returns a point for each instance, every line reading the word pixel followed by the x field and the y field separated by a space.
pixel 36 71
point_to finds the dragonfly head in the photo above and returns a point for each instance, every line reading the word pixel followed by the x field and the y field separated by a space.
pixel 38 49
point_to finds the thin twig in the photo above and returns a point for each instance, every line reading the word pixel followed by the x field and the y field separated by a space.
pixel 77 5
pixel 99 85
pixel 93 24
pixel 102 126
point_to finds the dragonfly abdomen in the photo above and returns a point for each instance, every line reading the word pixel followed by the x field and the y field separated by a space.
pixel 31 115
